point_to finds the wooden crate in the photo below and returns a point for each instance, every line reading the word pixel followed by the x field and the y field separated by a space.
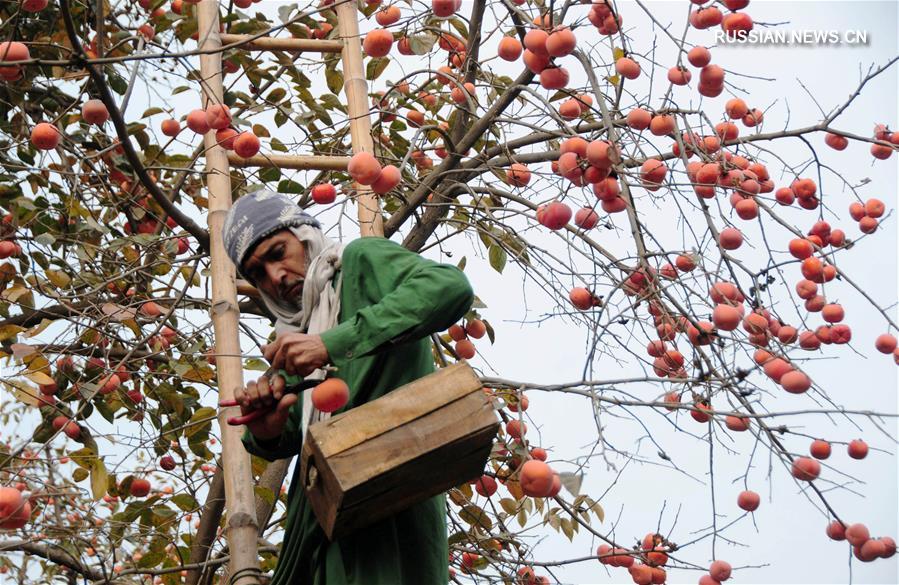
pixel 379 458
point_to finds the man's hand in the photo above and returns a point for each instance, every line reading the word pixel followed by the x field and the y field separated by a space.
pixel 263 394
pixel 296 353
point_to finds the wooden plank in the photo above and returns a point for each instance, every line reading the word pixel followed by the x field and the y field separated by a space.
pixel 296 162
pixel 321 487
pixel 412 441
pixel 398 407
pixel 254 43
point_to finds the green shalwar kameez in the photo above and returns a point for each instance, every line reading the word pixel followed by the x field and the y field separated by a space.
pixel 391 300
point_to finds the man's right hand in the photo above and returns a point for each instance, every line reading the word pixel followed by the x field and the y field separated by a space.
pixel 263 394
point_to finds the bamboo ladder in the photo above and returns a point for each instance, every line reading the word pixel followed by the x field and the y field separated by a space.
pixel 241 528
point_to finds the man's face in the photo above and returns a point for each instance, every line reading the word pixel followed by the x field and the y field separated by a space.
pixel 278 266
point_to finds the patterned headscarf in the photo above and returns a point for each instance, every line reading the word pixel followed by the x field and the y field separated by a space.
pixel 257 215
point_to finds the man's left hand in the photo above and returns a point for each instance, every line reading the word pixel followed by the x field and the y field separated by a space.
pixel 296 353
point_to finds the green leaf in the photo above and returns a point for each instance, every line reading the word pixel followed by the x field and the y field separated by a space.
pixel 152 112
pixel 334 79
pixel 288 186
pixel 476 517
pixel 509 505
pixel 498 258
pixel 99 479
pixel 255 364
pixel 332 102
pixel 201 421
pixel 565 524
pixel 571 481
pixel 116 82
pixel 284 12
pixel 278 145
pixel 84 457
pixel 457 537
pixel 460 27
pixel 163 515
pixel 151 559
pixel 265 493
pixel 422 44
pixel 376 67
pixel 270 174
pixel 186 502
pixel 277 94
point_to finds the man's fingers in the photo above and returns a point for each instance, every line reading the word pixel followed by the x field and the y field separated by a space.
pixel 279 360
pixel 270 349
pixel 283 408
pixel 248 395
pixel 277 417
pixel 278 384
pixel 265 392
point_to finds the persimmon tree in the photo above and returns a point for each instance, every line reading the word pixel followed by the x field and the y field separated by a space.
pixel 634 187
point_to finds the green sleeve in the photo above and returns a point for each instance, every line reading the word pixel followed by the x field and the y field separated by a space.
pixel 418 297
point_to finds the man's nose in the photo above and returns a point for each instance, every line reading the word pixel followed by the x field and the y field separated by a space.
pixel 276 273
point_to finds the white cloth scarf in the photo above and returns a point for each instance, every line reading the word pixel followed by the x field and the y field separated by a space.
pixel 320 305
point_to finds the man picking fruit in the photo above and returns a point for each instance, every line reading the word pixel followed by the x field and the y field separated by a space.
pixel 366 309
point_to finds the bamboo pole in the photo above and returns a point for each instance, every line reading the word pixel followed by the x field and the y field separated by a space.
pixel 251 43
pixel 287 161
pixel 241 528
pixel 356 88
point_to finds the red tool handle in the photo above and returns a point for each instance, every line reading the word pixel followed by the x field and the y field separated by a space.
pixel 244 418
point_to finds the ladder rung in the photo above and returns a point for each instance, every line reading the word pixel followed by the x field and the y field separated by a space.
pixel 296 162
pixel 282 44
pixel 245 288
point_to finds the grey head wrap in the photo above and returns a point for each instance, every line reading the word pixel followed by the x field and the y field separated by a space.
pixel 257 215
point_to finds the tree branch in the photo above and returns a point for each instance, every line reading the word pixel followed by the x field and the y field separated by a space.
pixel 56 555
pixel 118 122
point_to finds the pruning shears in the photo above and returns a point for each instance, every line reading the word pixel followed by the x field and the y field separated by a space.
pixel 252 415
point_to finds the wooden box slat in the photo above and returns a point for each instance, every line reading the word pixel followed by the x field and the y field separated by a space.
pixel 396 499
pixel 384 456
pixel 404 404
pixel 393 450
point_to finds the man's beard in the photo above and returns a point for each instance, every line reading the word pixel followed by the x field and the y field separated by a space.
pixel 290 296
